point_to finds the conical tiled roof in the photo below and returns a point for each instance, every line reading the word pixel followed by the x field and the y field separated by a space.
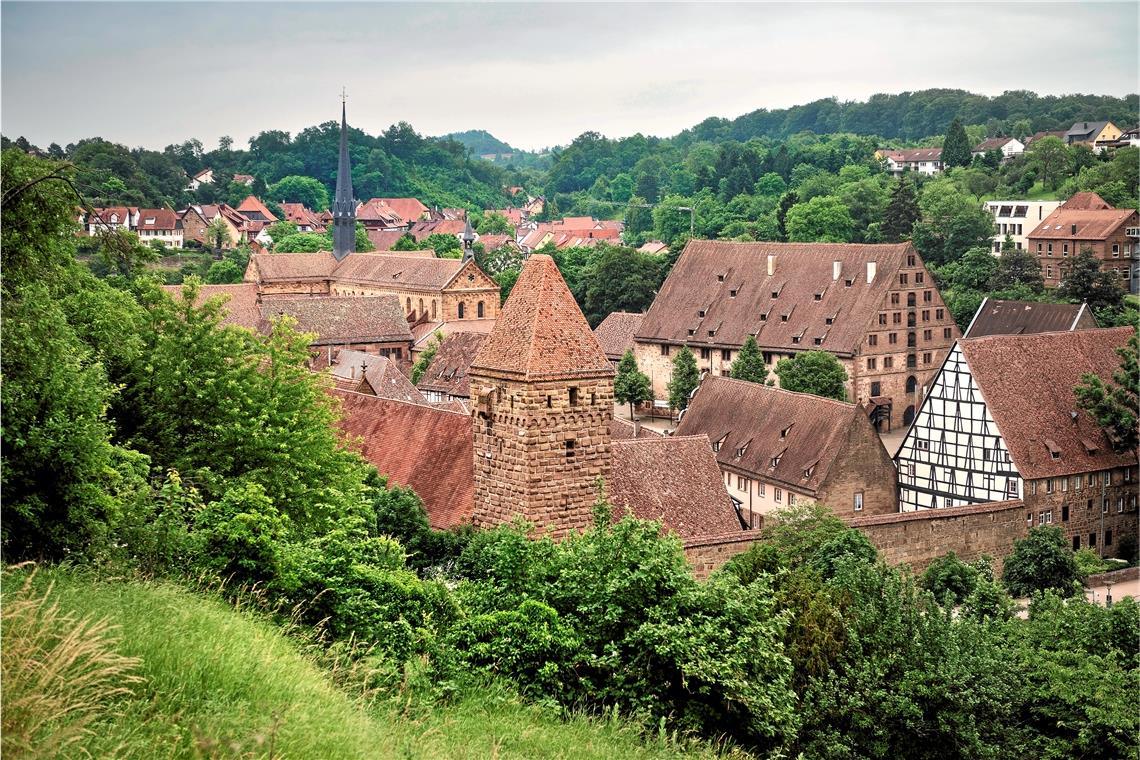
pixel 540 333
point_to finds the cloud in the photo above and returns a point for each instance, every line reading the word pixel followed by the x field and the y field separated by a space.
pixel 534 75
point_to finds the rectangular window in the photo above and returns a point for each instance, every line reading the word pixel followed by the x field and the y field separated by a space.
pixel 876 388
pixel 926 358
pixel 927 296
pixel 894 299
pixel 858 501
pixel 777 494
pixel 1107 478
pixel 1119 504
pixel 1049 249
pixel 1108 537
pixel 760 489
pixel 1064 513
pixel 946 332
pixel 892 338
pixel 926 315
pixel 664 350
pixel 1115 255
pixel 704 353
pixel 739 483
pixel 918 278
pixel 888 362
pixel 938 313
pixel 927 335
pixel 902 278
pixel 1049 485
pixel 882 319
pixel 872 363
pixel 872 340
pixel 1077 482
pixel 1065 249
pixel 1092 540
pixel 1076 543
pixel 791 499
pixel 725 355
pixel 897 318
pixel 1064 485
pixel 1104 506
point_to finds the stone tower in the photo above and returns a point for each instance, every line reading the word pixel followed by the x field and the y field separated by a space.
pixel 344 205
pixel 542 399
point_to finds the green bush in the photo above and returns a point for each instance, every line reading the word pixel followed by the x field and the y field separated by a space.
pixel 949 578
pixel 1042 560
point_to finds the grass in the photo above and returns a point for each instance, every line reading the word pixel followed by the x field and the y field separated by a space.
pixel 191 677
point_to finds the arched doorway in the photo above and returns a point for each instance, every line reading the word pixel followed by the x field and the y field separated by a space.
pixel 908 415
pixel 911 384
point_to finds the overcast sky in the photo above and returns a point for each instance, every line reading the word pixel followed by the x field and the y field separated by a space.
pixel 533 75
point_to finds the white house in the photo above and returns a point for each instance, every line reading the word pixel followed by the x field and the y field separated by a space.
pixel 1017 219
pixel 1008 146
pixel 161 224
pixel 111 218
pixel 921 160
pixel 204 177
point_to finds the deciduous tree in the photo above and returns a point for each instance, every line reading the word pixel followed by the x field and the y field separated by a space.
pixel 816 372
pixel 631 385
pixel 1114 404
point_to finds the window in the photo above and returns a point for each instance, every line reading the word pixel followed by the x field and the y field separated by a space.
pixel 910 299
pixel 888 362
pixel 720 278
pixel 922 445
pixel 897 319
pixel 894 299
pixel 570 449
pixel 1108 537
pixel 725 355
pixel 664 350
pixel 1064 485
pixel 739 483
pixel 433 309
pixel 1065 249
pixel 1127 474
pixel 1092 540
pixel 479 310
pixel 938 313
pixel 883 318
pixel 927 296
pixel 927 357
pixel 926 315
pixel 1038 248
pixel 1107 478
pixel 704 353
pixel 910 259
pixel 919 278
pixel 927 335
pixel 778 495
pixel 732 293
pixel 892 338
pixel 946 332
pixel 1077 482
pixel 573 397
pixel 409 306
pixel 858 501
pixel 1011 487
pixel 1115 255
pixel 1104 506
pixel 911 340
pixel 1119 506
pixel 462 308
pixel 1076 543
pixel 876 388
pixel 903 278
pixel 760 489
pixel 1049 485
pixel 1049 249
pixel 872 363
pixel 1049 272
pixel 872 340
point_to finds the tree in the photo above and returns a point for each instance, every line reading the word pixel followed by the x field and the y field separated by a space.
pixel 956 147
pixel 491 223
pixel 749 364
pixel 950 576
pixel 685 379
pixel 901 213
pixel 218 235
pixel 952 223
pixel 823 219
pixel 426 357
pixel 302 242
pixel 121 252
pixel 1050 156
pixel 224 272
pixel 631 385
pixel 1017 268
pixel 1084 280
pixel 445 246
pixel 1040 561
pixel 298 189
pixel 619 279
pixel 1114 405
pixel 787 201
pixel 816 372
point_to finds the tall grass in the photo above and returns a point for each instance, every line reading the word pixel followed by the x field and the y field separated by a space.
pixel 199 679
pixel 59 671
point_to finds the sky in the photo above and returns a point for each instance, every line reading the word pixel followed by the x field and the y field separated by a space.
pixel 533 74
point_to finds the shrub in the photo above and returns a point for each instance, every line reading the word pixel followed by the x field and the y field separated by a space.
pixel 950 579
pixel 1042 560
pixel 242 533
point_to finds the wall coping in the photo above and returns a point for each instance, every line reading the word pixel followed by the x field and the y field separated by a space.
pixel 942 513
pixel 722 538
pixel 1113 576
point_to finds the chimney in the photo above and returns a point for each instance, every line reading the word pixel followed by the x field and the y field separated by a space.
pixel 836 269
pixel 771 264
pixel 871 267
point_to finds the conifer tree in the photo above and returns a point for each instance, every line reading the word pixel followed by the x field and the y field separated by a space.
pixel 749 364
pixel 901 212
pixel 685 379
pixel 956 147
pixel 631 386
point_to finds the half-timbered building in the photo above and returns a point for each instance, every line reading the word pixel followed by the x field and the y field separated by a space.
pixel 1001 422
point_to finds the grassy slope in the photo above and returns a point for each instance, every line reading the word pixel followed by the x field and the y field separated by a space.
pixel 219 683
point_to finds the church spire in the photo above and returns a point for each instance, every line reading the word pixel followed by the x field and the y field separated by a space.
pixel 468 242
pixel 344 206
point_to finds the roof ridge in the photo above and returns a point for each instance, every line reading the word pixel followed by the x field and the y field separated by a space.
pixel 845 404
pixel 385 400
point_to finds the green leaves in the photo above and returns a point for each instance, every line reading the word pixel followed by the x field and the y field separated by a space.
pixel 817 372
pixel 685 379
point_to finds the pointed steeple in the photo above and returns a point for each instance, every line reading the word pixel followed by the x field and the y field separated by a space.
pixel 468 242
pixel 344 205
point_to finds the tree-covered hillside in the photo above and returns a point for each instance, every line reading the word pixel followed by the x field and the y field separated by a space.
pixel 479 142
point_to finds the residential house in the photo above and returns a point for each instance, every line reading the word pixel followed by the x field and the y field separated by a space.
pixel 111 218
pixel 1094 134
pixel 1009 147
pixel 921 160
pixel 1017 219
pixel 303 217
pixel 410 210
pixel 515 216
pixel 254 210
pixel 1128 138
pixel 447 377
pixel 204 177
pixel 615 333
pixel 244 179
pixel 776 448
pixel 375 215
pixel 996 317
pixel 374 375
pixel 159 224
pixel 422 230
pixel 425 330
pixel 1085 220
pixel 875 307
pixel 438 289
pixel 194 225
pixel 1058 133
pixel 383 240
pixel 653 247
pixel 1001 422
pixel 372 325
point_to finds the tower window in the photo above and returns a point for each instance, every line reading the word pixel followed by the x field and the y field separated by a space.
pixel 573 397
pixel 570 449
pixel 548 402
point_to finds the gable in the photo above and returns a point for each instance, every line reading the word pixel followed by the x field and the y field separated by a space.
pixel 471 277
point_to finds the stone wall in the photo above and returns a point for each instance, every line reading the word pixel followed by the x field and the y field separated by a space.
pixel 1093 513
pixel 540 449
pixel 917 538
pixel 709 553
pixel 861 466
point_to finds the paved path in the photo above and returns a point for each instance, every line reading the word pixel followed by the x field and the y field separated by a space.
pixel 1119 590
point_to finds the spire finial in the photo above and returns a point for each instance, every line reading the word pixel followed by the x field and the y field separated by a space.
pixel 343 94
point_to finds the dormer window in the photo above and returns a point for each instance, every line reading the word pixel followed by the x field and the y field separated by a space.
pixel 785 431
pixel 776 460
pixel 692 332
pixel 1054 449
pixel 819 341
pixel 716 444
pixel 712 333
pixel 809 471
pixel 701 313
pixel 764 316
pixel 775 294
pixel 819 296
pixel 848 283
pixel 732 293
pixel 720 278
pixel 784 317
pixel 796 339
pixel 1090 447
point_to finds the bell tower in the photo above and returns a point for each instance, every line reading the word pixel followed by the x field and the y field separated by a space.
pixel 542 399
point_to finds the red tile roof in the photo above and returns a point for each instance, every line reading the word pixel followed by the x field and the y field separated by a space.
pixel 1027 382
pixel 616 332
pixel 270 267
pixel 422 331
pixel 425 448
pixel 240 302
pixel 1086 202
pixel 381 375
pixel 754 423
pixel 409 209
pixel 376 210
pixel 913 155
pixel 512 215
pixel 449 371
pixel 335 320
pixel 992 143
pixel 383 240
pixel 996 317
pixel 397 271
pixel 708 272
pixel 674 480
pixel 622 430
pixel 253 205
pixel 1095 224
pixel 157 219
pixel 421 230
pixel 299 214
pixel 493 242
pixel 540 332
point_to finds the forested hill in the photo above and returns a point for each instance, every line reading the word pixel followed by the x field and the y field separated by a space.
pixel 480 142
pixel 914 115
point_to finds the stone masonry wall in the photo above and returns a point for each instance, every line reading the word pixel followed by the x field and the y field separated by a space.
pixel 863 465
pixel 709 553
pixel 538 452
